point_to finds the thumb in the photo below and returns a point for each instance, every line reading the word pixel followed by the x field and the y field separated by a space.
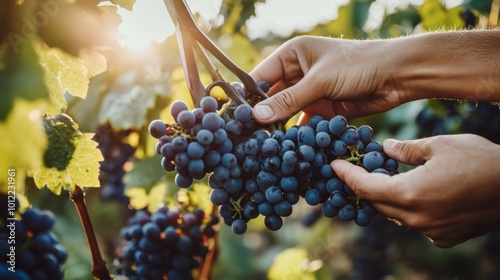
pixel 286 103
pixel 414 152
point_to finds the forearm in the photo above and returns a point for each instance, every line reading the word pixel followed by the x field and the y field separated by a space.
pixel 458 65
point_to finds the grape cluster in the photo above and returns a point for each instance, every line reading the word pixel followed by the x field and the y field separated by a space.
pixel 167 242
pixel 37 253
pixel 449 116
pixel 256 170
pixel 116 153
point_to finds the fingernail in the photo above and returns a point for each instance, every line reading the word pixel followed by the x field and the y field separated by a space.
pixel 390 143
pixel 263 112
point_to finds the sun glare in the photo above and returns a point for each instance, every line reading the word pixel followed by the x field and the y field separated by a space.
pixel 149 21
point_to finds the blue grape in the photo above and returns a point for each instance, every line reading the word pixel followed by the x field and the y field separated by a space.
pixel 208 104
pixel 373 160
pixel 243 113
pixel 273 222
pixel 186 119
pixel 362 218
pixel 239 226
pixel 306 136
pixel 337 125
pixel 283 208
pixel 219 196
pixel 323 139
pixel 274 194
pixel 195 150
pixel 269 147
pixel 289 183
pixel 211 121
pixel 312 197
pixel 347 212
pixel 176 107
pixel 183 181
pixel 365 134
pixel 205 137
pixel 157 128
pixel 337 199
pixel 338 148
pixel 305 153
pixel 350 137
pixel 329 210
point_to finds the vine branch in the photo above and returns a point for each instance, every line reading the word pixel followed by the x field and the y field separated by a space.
pixel 99 267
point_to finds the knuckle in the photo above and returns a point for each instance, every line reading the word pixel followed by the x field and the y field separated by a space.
pixel 285 101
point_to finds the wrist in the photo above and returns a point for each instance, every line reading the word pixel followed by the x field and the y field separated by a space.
pixel 456 65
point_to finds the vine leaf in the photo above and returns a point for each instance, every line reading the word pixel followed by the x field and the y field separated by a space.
pixel 291 264
pixel 145 174
pixel 82 169
pixel 64 73
pixel 128 108
pixel 127 4
pixel 23 142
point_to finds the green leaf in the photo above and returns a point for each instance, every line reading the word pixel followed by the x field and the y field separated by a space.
pixel 127 4
pixel 127 109
pixel 145 174
pixel 23 139
pixel 82 170
pixel 292 263
pixel 68 74
pixel 435 16
pixel 20 77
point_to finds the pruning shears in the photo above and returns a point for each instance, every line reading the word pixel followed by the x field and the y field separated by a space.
pixel 191 41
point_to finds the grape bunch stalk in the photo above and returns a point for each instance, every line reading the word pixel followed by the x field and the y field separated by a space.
pixel 168 242
pixel 37 252
pixel 264 170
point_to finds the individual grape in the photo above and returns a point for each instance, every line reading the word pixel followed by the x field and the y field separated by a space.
pixel 186 119
pixel 211 121
pixel 251 210
pixel 362 218
pixel 208 104
pixel 365 134
pixel 306 136
pixel 266 208
pixel 205 137
pixel 337 199
pixel 183 181
pixel 338 148
pixel 373 160
pixel 269 147
pixel 329 210
pixel 273 194
pixel 273 222
pixel 337 125
pixel 350 137
pixel 219 196
pixel 243 113
pixel 347 212
pixel 212 158
pixel 176 107
pixel 220 136
pixel 283 208
pixel 157 128
pixel 289 183
pixel 233 128
pixel 323 139
pixel 264 86
pixel 312 197
pixel 195 150
pixel 305 153
pixel 373 146
pixel 239 226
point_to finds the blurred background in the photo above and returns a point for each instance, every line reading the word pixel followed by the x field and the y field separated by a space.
pixel 143 75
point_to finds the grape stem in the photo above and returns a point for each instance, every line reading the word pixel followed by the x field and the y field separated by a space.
pixel 99 267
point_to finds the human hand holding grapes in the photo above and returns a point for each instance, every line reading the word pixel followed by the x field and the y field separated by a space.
pixel 305 77
pixel 450 196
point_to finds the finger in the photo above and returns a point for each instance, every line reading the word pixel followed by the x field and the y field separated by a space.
pixel 415 152
pixel 373 187
pixel 271 69
pixel 286 103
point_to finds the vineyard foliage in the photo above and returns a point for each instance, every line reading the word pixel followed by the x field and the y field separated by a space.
pixel 68 90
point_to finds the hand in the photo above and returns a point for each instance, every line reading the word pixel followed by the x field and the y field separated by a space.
pixel 451 196
pixel 324 76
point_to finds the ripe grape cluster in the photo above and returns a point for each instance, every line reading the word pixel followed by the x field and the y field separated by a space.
pixel 449 116
pixel 256 170
pixel 116 153
pixel 29 245
pixel 166 243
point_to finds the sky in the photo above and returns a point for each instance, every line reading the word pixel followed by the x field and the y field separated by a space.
pixel 150 21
